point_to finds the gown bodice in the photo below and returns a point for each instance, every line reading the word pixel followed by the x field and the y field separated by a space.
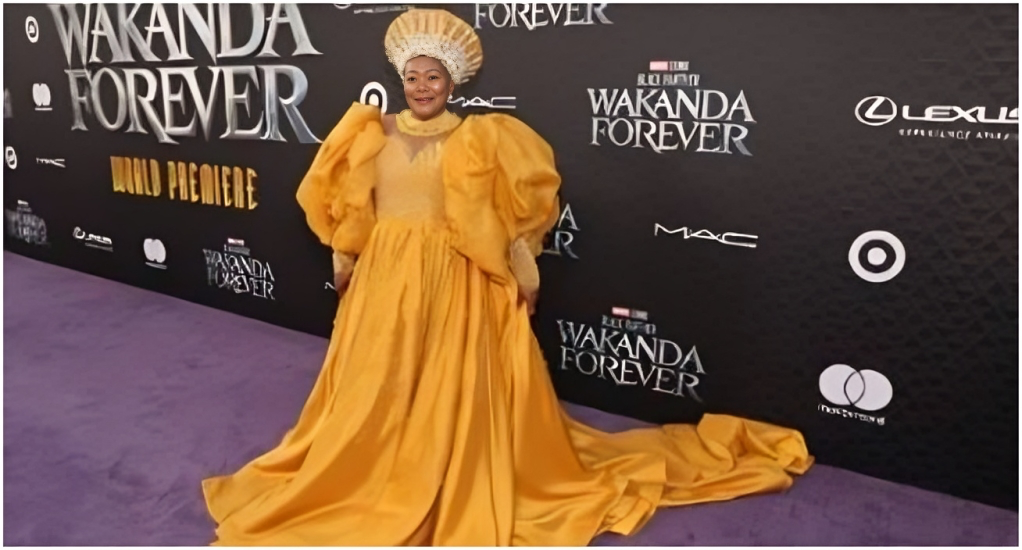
pixel 409 170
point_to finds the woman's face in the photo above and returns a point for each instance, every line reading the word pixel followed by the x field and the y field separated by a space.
pixel 427 86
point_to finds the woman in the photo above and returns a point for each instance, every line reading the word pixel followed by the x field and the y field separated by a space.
pixel 433 421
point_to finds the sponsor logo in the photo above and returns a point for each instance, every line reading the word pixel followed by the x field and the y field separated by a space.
pixel 729 238
pixel 502 102
pixel 188 182
pixel 92 240
pixel 156 94
pixel 877 256
pixel 667 74
pixel 866 390
pixel 880 110
pixel 41 97
pixel 155 253
pixel 668 66
pixel 373 8
pixel 59 163
pixel 32 29
pixel 8 108
pixel 559 241
pixel 21 224
pixel 374 94
pixel 237 246
pixel 630 313
pixel 10 157
pixel 234 269
pixel 534 16
pixel 625 350
pixel 667 111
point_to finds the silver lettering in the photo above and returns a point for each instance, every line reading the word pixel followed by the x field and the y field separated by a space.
pixel 293 18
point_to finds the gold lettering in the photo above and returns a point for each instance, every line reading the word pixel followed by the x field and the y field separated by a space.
pixel 126 174
pixel 171 179
pixel 182 181
pixel 192 182
pixel 225 182
pixel 143 183
pixel 135 181
pixel 145 177
pixel 206 183
pixel 117 174
pixel 216 183
pixel 239 187
pixel 250 187
pixel 212 184
pixel 154 172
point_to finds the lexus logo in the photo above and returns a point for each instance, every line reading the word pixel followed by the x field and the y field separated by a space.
pixel 877 256
pixel 876 110
pixel 93 240
pixel 866 390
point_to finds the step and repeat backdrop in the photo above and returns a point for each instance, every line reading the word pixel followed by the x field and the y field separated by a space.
pixel 806 215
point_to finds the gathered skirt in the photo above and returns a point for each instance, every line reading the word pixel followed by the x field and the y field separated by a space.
pixel 434 422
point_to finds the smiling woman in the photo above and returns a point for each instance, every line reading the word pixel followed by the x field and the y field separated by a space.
pixel 428 86
pixel 433 420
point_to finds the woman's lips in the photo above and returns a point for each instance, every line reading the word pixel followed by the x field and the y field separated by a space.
pixel 423 100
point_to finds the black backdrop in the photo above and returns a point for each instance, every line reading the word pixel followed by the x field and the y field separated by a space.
pixel 704 259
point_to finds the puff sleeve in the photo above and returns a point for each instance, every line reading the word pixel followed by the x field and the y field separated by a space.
pixel 503 185
pixel 336 192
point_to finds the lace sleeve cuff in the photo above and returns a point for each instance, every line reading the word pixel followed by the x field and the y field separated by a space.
pixel 523 265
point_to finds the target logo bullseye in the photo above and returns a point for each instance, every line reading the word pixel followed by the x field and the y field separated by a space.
pixel 877 256
pixel 866 390
pixel 374 94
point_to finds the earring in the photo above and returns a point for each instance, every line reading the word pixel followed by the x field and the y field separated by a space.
pixel 450 97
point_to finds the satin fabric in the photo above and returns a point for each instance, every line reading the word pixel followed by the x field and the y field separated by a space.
pixel 433 420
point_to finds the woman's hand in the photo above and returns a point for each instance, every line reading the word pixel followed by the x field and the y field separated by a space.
pixel 341 280
pixel 529 296
pixel 344 266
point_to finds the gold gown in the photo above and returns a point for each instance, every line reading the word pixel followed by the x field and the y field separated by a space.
pixel 433 420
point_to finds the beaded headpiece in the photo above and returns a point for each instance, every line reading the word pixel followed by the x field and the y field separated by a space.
pixel 438 34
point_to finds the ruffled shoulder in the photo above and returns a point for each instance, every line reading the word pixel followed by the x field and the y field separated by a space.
pixel 502 186
pixel 336 192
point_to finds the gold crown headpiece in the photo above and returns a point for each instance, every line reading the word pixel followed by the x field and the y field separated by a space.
pixel 438 34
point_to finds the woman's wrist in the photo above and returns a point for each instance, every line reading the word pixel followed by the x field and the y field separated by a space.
pixel 343 263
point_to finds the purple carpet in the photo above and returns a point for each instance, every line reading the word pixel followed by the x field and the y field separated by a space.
pixel 118 401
